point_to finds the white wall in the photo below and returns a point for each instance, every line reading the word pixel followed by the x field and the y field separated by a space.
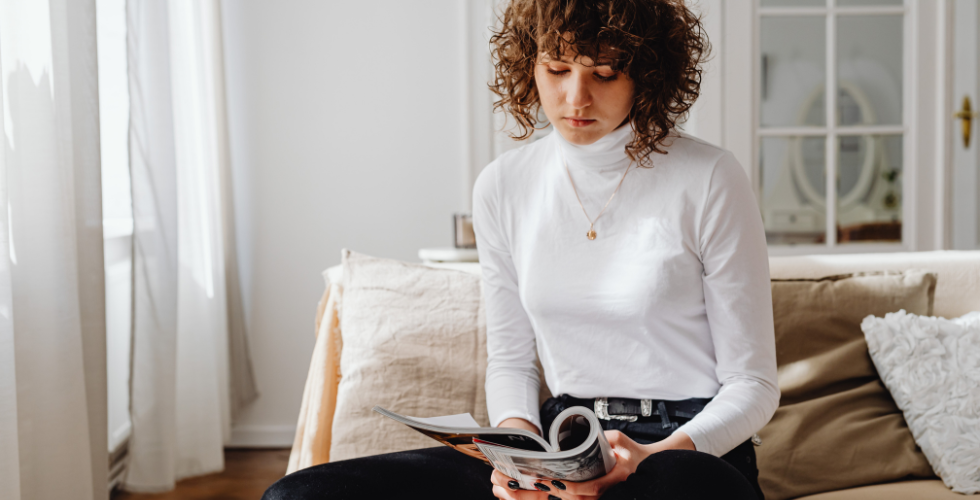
pixel 346 131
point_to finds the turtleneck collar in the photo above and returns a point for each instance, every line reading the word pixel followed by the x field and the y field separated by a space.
pixel 609 152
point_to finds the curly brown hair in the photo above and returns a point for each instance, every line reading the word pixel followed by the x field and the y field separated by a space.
pixel 659 44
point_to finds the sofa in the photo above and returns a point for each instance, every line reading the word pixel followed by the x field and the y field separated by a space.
pixel 953 291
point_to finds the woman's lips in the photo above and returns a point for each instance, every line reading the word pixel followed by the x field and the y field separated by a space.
pixel 579 122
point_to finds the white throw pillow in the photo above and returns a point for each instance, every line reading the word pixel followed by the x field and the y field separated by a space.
pixel 931 366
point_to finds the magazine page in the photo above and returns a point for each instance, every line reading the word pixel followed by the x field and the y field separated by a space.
pixel 463 420
pixel 460 437
pixel 581 452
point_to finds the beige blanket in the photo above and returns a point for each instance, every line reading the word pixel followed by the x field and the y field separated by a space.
pixel 311 446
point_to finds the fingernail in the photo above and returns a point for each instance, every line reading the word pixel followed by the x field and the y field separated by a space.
pixel 514 485
pixel 541 487
pixel 552 497
pixel 558 484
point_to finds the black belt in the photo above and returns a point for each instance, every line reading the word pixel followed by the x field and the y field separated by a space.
pixel 632 410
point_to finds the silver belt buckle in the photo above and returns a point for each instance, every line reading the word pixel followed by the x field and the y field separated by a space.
pixel 602 410
pixel 646 407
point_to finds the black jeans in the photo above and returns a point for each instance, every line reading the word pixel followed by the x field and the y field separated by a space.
pixel 443 473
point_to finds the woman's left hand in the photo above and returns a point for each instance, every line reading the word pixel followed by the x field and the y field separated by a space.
pixel 629 454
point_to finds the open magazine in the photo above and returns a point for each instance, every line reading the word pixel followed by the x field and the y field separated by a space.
pixel 576 449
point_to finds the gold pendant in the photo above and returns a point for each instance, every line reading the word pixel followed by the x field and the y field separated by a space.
pixel 591 234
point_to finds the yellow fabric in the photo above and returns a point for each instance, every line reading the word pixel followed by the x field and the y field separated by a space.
pixel 836 421
pixel 311 446
pixel 321 308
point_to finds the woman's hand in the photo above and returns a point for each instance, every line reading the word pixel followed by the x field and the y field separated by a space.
pixel 628 453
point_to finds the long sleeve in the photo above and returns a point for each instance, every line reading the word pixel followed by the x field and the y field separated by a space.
pixel 738 303
pixel 512 381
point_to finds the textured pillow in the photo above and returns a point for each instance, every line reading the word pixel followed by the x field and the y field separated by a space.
pixel 931 366
pixel 837 426
pixel 414 342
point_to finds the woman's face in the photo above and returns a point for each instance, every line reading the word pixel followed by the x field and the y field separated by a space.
pixel 584 102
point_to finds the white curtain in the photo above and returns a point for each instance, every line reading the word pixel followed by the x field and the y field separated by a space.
pixel 52 317
pixel 190 361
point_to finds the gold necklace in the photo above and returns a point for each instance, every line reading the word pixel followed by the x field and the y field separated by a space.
pixel 591 234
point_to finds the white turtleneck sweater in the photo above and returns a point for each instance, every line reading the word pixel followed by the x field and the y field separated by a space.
pixel 670 301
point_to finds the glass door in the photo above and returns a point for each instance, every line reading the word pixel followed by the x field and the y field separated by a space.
pixel 831 120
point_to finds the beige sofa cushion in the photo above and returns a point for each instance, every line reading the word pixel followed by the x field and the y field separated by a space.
pixel 837 426
pixel 414 342
pixel 922 489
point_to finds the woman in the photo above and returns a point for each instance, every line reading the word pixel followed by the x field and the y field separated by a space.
pixel 627 257
pixel 631 257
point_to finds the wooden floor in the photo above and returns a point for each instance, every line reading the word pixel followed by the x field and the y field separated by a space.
pixel 247 474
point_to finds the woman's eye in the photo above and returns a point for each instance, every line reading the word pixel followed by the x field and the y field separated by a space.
pixel 606 78
pixel 557 72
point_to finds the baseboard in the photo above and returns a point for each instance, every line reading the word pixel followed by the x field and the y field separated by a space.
pixel 262 436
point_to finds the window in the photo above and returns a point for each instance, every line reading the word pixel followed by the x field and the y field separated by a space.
pixel 831 120
pixel 117 218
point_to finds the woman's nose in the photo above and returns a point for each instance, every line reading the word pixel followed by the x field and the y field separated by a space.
pixel 577 94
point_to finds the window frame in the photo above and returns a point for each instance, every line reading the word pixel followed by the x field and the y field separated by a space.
pixel 831 131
